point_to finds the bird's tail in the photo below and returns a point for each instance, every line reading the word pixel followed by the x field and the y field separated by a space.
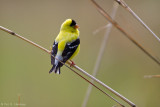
pixel 56 69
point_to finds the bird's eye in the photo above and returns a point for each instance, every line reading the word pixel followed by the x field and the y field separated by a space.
pixel 73 23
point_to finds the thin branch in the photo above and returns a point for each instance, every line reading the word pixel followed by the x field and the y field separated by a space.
pixel 84 72
pixel 100 54
pixel 25 39
pixel 125 6
pixel 107 87
pixel 123 31
pixel 152 76
pixel 75 66
pixel 99 29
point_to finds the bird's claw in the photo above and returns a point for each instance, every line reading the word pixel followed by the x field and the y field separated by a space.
pixel 72 63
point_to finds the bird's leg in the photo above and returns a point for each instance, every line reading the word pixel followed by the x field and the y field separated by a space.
pixel 72 64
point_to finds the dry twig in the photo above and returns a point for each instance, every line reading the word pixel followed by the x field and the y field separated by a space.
pixel 105 14
pixel 152 76
pixel 124 5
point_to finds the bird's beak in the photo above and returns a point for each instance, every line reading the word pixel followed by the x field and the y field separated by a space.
pixel 76 26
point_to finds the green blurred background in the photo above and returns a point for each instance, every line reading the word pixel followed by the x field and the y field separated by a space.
pixel 24 68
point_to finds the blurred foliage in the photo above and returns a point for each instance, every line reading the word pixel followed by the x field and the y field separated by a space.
pixel 24 68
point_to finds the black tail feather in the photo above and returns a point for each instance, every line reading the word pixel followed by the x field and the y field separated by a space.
pixel 51 69
pixel 56 69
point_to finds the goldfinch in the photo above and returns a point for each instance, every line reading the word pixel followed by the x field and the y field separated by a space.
pixel 66 45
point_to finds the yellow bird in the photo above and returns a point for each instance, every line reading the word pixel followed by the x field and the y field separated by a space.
pixel 66 45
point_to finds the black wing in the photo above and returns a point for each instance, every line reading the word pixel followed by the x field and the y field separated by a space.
pixel 69 49
pixel 54 52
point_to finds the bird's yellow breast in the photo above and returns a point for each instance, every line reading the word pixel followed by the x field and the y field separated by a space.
pixel 68 36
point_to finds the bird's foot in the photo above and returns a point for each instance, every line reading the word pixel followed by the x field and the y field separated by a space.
pixel 72 63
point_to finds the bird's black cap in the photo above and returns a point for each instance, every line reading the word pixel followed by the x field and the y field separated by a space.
pixel 73 23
